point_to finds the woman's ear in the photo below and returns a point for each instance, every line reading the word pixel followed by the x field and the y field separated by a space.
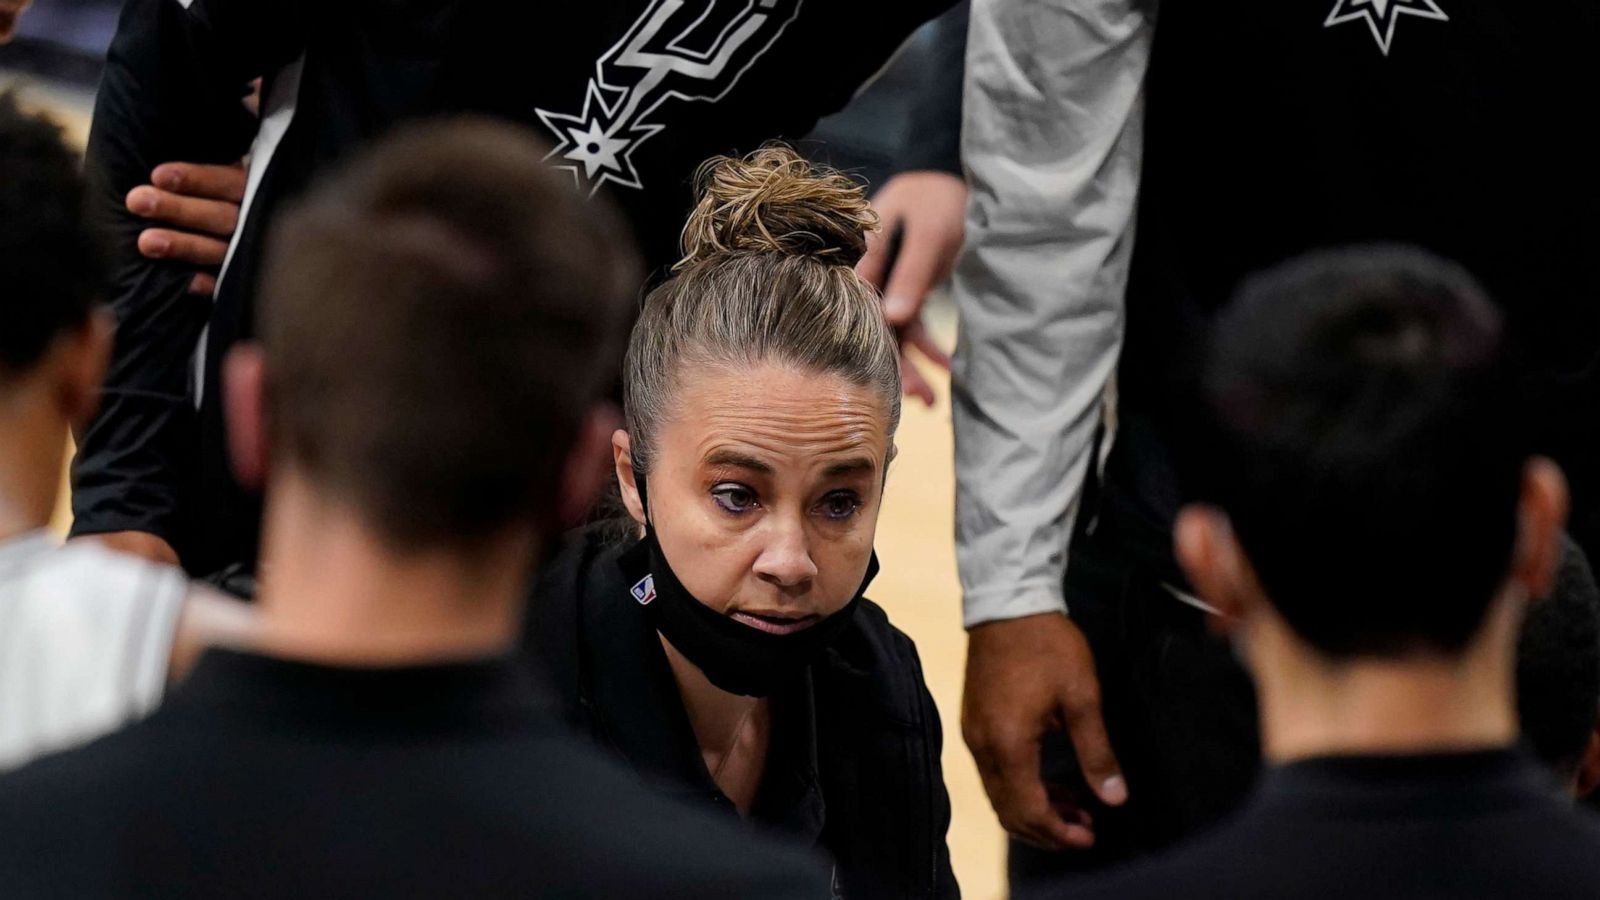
pixel 621 454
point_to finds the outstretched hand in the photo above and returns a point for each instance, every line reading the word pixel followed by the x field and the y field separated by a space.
pixel 197 210
pixel 1025 678
pixel 927 211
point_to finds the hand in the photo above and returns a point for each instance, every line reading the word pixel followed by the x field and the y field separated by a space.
pixel 10 12
pixel 1027 677
pixel 201 206
pixel 928 209
pixel 136 543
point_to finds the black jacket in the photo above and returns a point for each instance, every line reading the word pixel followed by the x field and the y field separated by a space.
pixel 632 94
pixel 1274 127
pixel 1473 826
pixel 855 753
pixel 269 779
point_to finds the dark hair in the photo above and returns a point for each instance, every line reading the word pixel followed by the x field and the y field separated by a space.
pixel 1558 666
pixel 49 262
pixel 1366 442
pixel 439 318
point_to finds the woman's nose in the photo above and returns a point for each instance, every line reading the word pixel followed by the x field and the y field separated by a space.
pixel 786 558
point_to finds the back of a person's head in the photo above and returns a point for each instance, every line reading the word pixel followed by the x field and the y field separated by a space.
pixel 439 319
pixel 49 263
pixel 1558 666
pixel 1366 444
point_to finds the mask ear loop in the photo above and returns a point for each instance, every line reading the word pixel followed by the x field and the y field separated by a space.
pixel 644 499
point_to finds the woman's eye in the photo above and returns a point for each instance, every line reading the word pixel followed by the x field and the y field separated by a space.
pixel 842 505
pixel 734 498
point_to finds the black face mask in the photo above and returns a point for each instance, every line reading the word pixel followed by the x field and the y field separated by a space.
pixel 735 657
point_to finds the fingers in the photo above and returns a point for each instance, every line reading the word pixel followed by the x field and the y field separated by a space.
pixel 914 384
pixel 203 285
pixel 917 336
pixel 180 246
pixel 1087 728
pixel 871 267
pixel 226 183
pixel 926 259
pixel 1009 764
pixel 211 217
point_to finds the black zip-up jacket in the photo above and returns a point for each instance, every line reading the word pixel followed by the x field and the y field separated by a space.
pixel 632 94
pixel 854 765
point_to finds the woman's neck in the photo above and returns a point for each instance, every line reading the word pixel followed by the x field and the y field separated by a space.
pixel 734 732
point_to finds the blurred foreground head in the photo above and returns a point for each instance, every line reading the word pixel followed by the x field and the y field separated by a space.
pixel 1375 480
pixel 1558 674
pixel 53 343
pixel 440 323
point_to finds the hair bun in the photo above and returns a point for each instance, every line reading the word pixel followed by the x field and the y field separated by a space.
pixel 775 201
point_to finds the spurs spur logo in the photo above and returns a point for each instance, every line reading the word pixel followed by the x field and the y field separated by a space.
pixel 1382 16
pixel 676 51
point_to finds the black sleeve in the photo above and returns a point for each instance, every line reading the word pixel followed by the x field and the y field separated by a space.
pixel 171 91
pixel 933 137
pixel 944 885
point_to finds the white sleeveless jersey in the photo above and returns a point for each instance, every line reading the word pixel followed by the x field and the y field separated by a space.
pixel 85 638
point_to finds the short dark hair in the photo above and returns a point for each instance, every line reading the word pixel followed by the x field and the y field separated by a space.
pixel 50 266
pixel 438 319
pixel 1558 666
pixel 1366 441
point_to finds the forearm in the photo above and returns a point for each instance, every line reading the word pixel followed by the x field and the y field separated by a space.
pixel 170 91
pixel 1053 146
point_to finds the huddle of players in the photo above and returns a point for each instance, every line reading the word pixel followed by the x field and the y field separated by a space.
pixel 1289 386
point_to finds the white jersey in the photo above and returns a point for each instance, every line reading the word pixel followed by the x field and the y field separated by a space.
pixel 85 639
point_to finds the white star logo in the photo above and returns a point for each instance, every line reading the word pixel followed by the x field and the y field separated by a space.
pixel 1381 16
pixel 594 149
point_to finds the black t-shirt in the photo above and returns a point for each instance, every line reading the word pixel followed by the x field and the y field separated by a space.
pixel 633 95
pixel 263 778
pixel 1486 825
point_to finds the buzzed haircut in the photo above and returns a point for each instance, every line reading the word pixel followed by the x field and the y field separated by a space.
pixel 51 268
pixel 438 319
pixel 1367 443
pixel 1558 666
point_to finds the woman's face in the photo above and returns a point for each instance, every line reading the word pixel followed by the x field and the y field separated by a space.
pixel 765 491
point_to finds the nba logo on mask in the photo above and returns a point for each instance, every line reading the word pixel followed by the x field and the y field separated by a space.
pixel 645 590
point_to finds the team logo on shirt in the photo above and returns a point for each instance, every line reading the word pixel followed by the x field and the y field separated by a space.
pixel 644 590
pixel 676 51
pixel 1382 16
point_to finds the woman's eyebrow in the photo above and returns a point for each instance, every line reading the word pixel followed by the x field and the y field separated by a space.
pixel 738 460
pixel 851 467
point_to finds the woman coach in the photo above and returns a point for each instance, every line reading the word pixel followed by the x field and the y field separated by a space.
pixel 720 641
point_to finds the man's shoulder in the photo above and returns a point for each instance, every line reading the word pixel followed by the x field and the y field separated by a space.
pixel 85 640
pixel 83 572
pixel 677 848
pixel 1543 850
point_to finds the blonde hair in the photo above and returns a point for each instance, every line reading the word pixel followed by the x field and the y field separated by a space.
pixel 767 275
